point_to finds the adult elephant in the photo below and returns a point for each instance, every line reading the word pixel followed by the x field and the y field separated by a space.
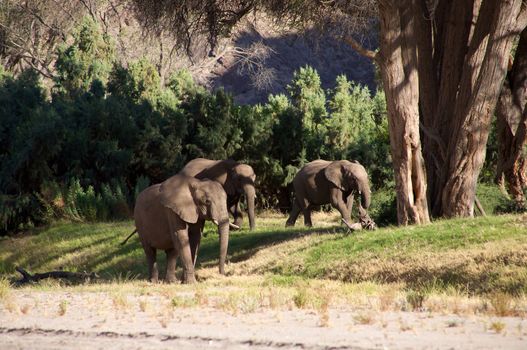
pixel 171 215
pixel 331 182
pixel 236 179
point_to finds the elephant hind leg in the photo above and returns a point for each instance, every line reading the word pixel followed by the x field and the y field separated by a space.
pixel 307 215
pixel 295 211
pixel 170 275
pixel 151 259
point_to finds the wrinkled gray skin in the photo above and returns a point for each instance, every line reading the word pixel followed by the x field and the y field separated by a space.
pixel 329 182
pixel 236 179
pixel 171 215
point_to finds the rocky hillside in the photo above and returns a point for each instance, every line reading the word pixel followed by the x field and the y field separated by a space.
pixel 285 51
pixel 256 60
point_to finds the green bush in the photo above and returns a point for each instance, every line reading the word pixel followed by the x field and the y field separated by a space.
pixel 493 200
pixel 61 156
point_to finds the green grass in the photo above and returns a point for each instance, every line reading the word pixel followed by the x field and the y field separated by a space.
pixel 479 256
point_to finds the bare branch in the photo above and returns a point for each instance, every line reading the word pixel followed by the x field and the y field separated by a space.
pixel 359 48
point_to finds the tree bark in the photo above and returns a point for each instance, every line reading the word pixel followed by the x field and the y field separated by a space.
pixel 511 115
pixel 483 74
pixel 398 62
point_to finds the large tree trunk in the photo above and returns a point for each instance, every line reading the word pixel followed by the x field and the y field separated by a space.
pixel 398 63
pixel 511 126
pixel 446 29
pixel 483 74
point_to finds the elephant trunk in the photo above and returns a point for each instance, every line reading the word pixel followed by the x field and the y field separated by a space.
pixel 365 196
pixel 223 231
pixel 250 195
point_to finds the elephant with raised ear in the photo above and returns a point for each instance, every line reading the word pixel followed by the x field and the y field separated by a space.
pixel 331 182
pixel 236 179
pixel 171 215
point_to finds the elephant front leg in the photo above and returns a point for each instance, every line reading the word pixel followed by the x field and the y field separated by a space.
pixel 170 275
pixel 236 213
pixel 151 257
pixel 194 236
pixel 349 203
pixel 338 203
pixel 181 240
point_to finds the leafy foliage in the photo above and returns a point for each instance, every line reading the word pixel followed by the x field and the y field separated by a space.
pixel 109 130
pixel 89 58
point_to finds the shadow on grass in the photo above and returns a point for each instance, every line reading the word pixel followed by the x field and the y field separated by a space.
pixel 96 248
pixel 244 245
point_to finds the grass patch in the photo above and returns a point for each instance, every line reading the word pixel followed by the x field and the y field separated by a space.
pixel 477 256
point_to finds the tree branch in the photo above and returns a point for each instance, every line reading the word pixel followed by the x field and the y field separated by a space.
pixel 27 277
pixel 359 48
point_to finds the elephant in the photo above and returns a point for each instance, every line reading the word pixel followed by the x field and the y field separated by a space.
pixel 236 179
pixel 171 215
pixel 331 182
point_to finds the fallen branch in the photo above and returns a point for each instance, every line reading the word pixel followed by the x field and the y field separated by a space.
pixel 28 278
pixel 127 238
pixel 479 206
pixel 353 227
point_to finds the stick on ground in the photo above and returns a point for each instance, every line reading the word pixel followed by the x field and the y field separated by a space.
pixel 71 276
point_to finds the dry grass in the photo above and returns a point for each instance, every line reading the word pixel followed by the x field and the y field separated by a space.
pixel 143 305
pixel 453 323
pixel 324 296
pixel 183 301
pixel 416 299
pixel 497 326
pixel 502 304
pixel 364 318
pixel 63 307
pixel 120 300
pixel 5 288
pixel 6 296
pixel 386 299
pixel 11 305
pixel 301 298
pixel 447 264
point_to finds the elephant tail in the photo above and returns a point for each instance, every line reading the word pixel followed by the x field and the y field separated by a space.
pixel 129 236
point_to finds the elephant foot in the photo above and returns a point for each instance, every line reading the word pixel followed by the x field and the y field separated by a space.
pixel 189 278
pixel 289 224
pixel 170 279
pixel 154 280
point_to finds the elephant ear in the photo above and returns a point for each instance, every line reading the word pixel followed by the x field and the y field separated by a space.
pixel 176 193
pixel 333 173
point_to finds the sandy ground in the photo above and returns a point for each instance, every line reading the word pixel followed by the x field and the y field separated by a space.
pixel 94 320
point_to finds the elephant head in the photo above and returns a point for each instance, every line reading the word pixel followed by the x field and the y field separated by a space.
pixel 349 177
pixel 236 179
pixel 243 179
pixel 192 200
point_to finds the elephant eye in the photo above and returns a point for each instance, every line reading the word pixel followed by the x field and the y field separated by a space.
pixel 207 201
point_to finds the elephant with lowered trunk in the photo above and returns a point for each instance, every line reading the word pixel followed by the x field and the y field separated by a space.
pixel 331 182
pixel 236 179
pixel 171 215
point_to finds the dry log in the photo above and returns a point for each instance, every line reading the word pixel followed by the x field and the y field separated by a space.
pixel 71 276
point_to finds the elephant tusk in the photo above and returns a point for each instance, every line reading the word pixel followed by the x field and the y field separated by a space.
pixel 216 222
pixel 236 227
